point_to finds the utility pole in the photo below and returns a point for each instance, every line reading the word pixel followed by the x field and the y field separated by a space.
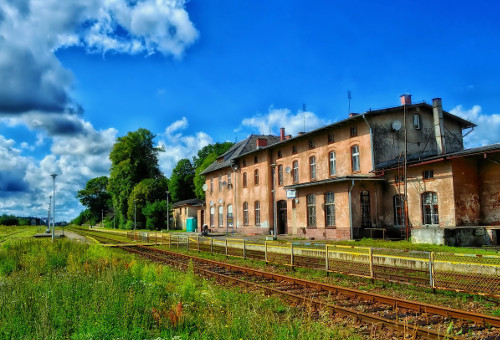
pixel 48 217
pixel 168 215
pixel 102 218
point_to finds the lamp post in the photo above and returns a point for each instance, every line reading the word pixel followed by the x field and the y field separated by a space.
pixel 48 217
pixel 54 206
pixel 102 218
pixel 275 236
pixel 135 215
pixel 168 214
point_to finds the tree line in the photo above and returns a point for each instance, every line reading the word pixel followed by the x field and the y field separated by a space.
pixel 135 193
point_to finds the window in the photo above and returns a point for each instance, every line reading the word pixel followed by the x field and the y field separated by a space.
pixel 398 209
pixel 256 176
pixel 220 182
pixel 245 213
pixel 212 213
pixel 311 211
pixel 243 162
pixel 221 216
pixel 255 160
pixel 229 180
pixel 185 211
pixel 332 163
pixel 355 158
pixel 330 209
pixel 365 209
pixel 331 138
pixel 295 171
pixel 354 131
pixel 257 213
pixel 279 154
pixel 430 208
pixel 294 149
pixel 311 144
pixel 416 121
pixel 229 219
pixel 280 174
pixel 244 179
pixel 428 174
pixel 312 167
pixel 211 185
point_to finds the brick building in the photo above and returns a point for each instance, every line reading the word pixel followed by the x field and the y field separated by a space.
pixel 347 180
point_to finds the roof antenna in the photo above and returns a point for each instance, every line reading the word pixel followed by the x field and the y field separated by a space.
pixel 304 113
pixel 349 98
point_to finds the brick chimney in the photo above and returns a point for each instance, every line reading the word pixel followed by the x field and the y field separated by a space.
pixel 261 142
pixel 282 134
pixel 405 99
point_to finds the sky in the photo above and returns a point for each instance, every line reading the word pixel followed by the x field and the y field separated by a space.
pixel 77 74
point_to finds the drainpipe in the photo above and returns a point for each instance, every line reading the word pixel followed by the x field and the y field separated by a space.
pixel 234 166
pixel 350 211
pixel 371 142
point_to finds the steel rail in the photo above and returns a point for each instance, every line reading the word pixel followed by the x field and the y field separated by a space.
pixel 396 303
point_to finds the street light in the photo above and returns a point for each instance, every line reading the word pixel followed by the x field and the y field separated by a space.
pixel 102 218
pixel 48 217
pixel 54 206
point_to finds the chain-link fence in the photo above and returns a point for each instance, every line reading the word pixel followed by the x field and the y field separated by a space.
pixel 463 272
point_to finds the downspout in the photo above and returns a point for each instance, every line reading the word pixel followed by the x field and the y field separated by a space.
pixel 371 142
pixel 235 205
pixel 350 211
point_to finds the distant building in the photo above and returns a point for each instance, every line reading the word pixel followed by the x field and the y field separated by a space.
pixel 346 180
pixel 184 209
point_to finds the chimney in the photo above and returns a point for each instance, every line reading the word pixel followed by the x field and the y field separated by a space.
pixel 352 114
pixel 437 111
pixel 288 136
pixel 261 142
pixel 405 99
pixel 282 134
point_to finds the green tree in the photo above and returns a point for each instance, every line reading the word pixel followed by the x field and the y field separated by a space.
pixel 203 153
pixel 146 191
pixel 133 159
pixel 8 220
pixel 96 198
pixel 156 215
pixel 181 185
pixel 199 179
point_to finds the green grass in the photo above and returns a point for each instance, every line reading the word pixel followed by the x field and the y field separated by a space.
pixel 69 290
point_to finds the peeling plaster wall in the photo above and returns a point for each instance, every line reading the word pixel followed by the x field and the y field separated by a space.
pixel 466 191
pixel 489 173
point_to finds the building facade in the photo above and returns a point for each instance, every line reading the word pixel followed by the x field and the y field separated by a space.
pixel 348 180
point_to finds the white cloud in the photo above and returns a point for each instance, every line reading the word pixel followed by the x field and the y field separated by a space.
pixel 178 146
pixel 488 126
pixel 275 119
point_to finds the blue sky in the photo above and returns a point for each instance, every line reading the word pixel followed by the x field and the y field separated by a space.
pixel 78 74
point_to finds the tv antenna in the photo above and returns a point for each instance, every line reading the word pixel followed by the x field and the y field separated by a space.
pixel 349 98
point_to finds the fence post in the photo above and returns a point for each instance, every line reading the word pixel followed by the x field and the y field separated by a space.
pixel 291 255
pixel 226 247
pixel 431 271
pixel 327 264
pixel 244 250
pixel 177 236
pixel 156 238
pixel 169 241
pixel 265 253
pixel 211 246
pixel 370 254
pixel 198 240
pixel 188 243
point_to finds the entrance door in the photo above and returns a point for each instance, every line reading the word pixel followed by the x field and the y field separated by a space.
pixel 365 209
pixel 282 227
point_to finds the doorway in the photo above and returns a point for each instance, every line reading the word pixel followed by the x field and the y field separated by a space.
pixel 365 209
pixel 282 227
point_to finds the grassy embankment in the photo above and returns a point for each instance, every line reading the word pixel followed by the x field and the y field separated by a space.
pixel 81 291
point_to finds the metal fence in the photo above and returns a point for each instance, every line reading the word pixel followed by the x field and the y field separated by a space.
pixel 479 274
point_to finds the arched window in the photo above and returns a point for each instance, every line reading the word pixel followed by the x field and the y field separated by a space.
pixel 311 211
pixel 398 201
pixel 280 174
pixel 257 213
pixel 256 176
pixel 295 171
pixel 221 215
pixel 230 221
pixel 220 182
pixel 430 208
pixel 244 179
pixel 329 209
pixel 245 213
pixel 211 185
pixel 332 163
pixel 212 213
pixel 312 167
pixel 355 158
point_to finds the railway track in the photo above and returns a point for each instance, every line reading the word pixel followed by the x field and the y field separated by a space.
pixel 408 318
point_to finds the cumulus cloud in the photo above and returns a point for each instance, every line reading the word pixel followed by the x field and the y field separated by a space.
pixel 274 119
pixel 488 126
pixel 178 146
pixel 31 31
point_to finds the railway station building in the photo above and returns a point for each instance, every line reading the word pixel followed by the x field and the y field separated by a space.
pixel 347 180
